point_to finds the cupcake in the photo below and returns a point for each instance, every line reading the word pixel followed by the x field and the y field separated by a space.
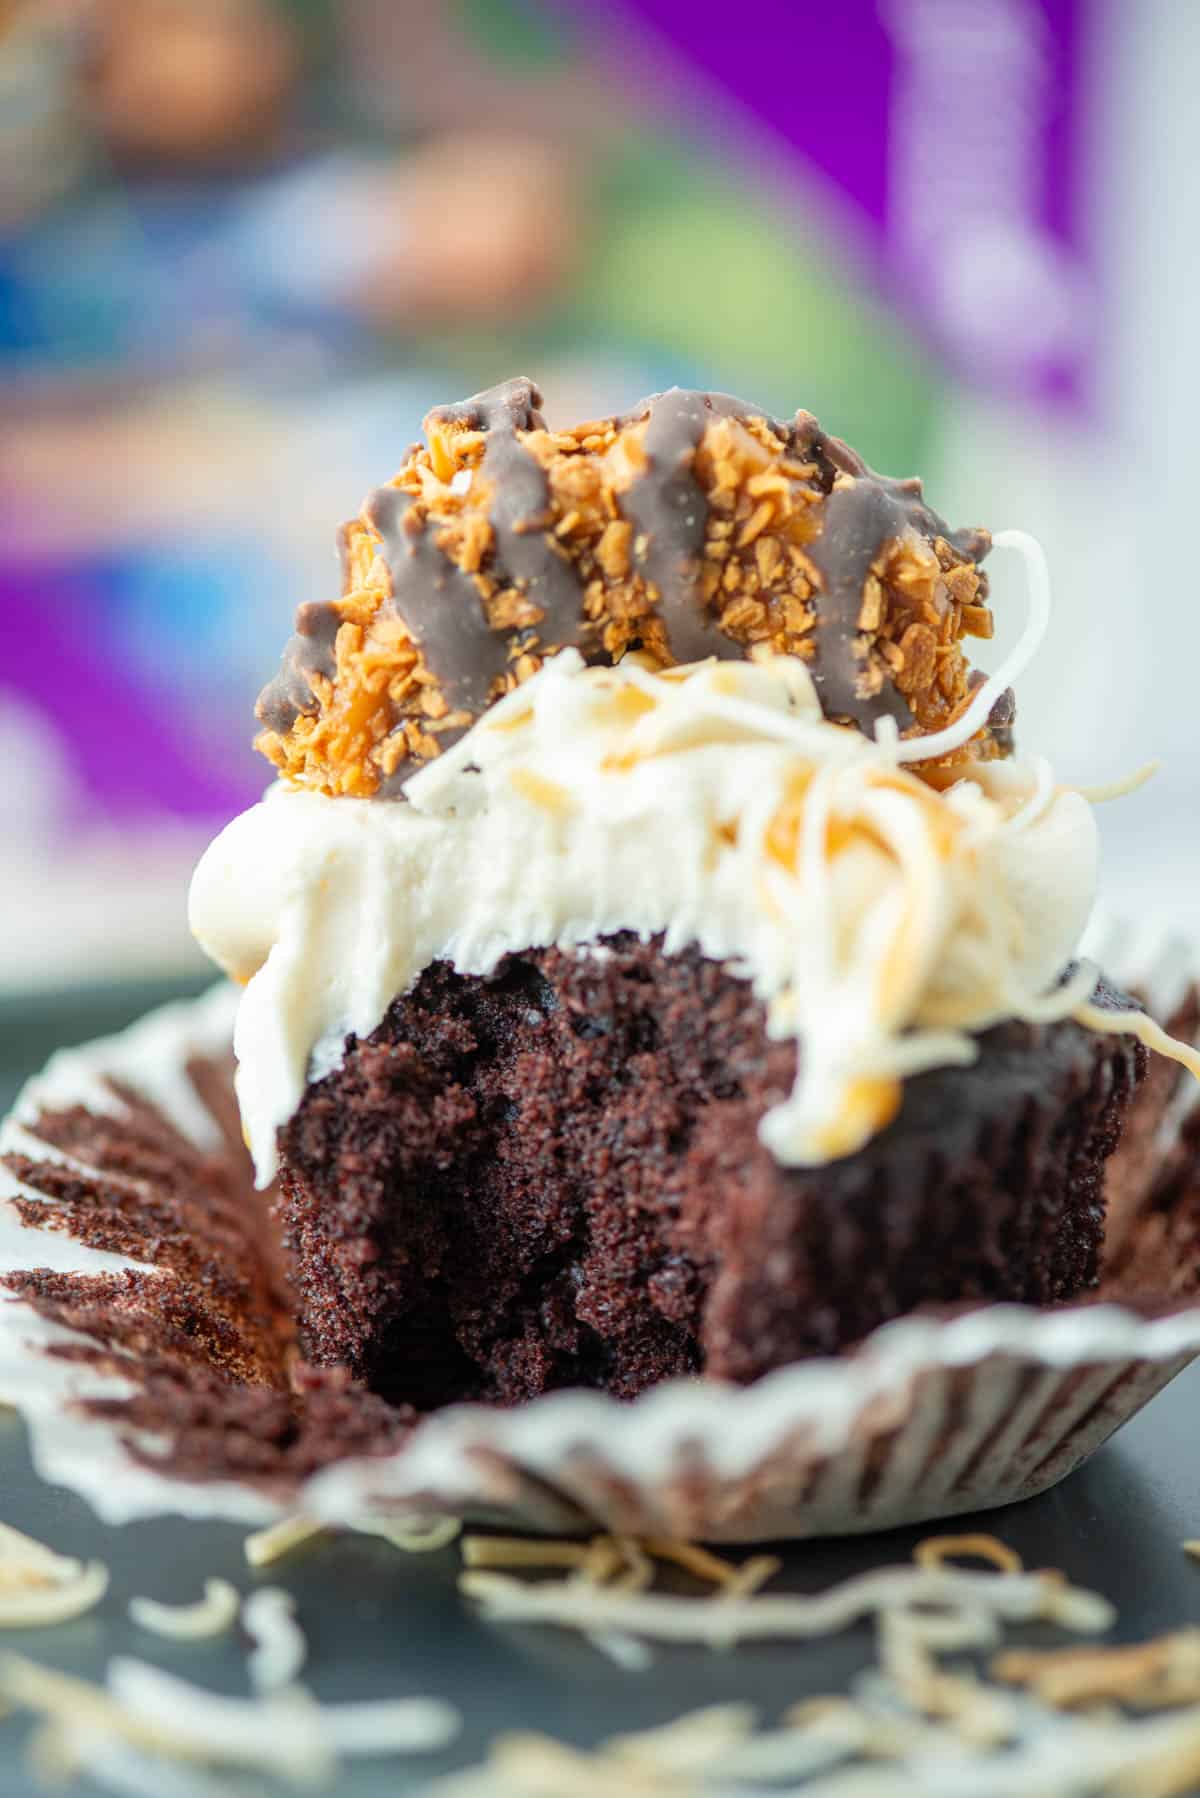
pixel 657 960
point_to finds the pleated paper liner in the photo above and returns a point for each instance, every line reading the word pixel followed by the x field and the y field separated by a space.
pixel 146 1339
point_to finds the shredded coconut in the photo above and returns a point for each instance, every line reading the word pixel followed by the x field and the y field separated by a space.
pixel 1137 1023
pixel 278 1539
pixel 280 1650
pixel 882 924
pixel 1120 789
pixel 911 1728
pixel 935 1551
pixel 33 1600
pixel 669 1618
pixel 415 1536
pixel 286 1733
pixel 975 717
pixel 24 1559
pixel 211 1615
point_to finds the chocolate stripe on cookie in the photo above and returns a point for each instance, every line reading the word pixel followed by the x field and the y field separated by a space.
pixel 694 525
pixel 669 511
pixel 310 651
pixel 439 604
pixel 521 513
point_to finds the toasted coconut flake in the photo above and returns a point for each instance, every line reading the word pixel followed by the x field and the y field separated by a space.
pixel 282 1732
pixel 779 1754
pixel 278 1539
pixel 748 1579
pixel 1152 1675
pixel 628 1559
pixel 535 1766
pixel 416 1536
pixel 161 1715
pixel 124 1771
pixel 935 1551
pixel 523 1551
pixel 1120 788
pixel 624 1650
pixel 280 1649
pixel 286 1733
pixel 692 1558
pixel 54 1753
pixel 75 1704
pixel 946 1733
pixel 1140 1025
pixel 752 1576
pixel 688 1744
pixel 604 1561
pixel 211 1615
pixel 638 1570
pixel 1068 1758
pixel 23 1559
pixel 34 1604
pixel 667 1617
pixel 979 1715
pixel 391 1726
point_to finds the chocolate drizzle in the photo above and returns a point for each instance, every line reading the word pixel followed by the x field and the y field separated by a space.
pixel 310 651
pixel 521 510
pixel 669 511
pixel 439 604
pixel 860 518
pixel 504 543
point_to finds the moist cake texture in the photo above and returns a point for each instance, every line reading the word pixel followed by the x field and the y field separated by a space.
pixel 554 1177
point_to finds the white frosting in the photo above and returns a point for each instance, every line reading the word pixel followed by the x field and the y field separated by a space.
pixel 881 923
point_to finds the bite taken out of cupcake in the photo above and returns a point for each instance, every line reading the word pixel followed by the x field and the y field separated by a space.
pixel 658 959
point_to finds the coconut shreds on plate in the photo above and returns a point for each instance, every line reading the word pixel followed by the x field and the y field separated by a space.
pixel 415 1535
pixel 278 1539
pixel 286 1733
pixel 146 1731
pixel 125 1772
pixel 1060 1721
pixel 280 1650
pixel 911 1728
pixel 39 1586
pixel 860 1750
pixel 671 1617
pixel 210 1616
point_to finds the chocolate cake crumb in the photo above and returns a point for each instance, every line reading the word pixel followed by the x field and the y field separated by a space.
pixel 1152 1239
pixel 553 1177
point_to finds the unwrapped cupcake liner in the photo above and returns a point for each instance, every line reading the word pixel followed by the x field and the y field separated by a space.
pixel 146 1318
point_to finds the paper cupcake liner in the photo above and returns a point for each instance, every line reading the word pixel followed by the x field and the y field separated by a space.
pixel 131 1355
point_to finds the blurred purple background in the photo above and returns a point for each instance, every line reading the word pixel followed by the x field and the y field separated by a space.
pixel 245 244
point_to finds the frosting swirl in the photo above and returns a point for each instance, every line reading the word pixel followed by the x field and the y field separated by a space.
pixel 882 923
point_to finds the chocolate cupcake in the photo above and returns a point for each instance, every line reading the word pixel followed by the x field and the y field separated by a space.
pixel 554 1177
pixel 657 961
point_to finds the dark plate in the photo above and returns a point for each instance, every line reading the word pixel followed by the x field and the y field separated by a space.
pixel 380 1623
